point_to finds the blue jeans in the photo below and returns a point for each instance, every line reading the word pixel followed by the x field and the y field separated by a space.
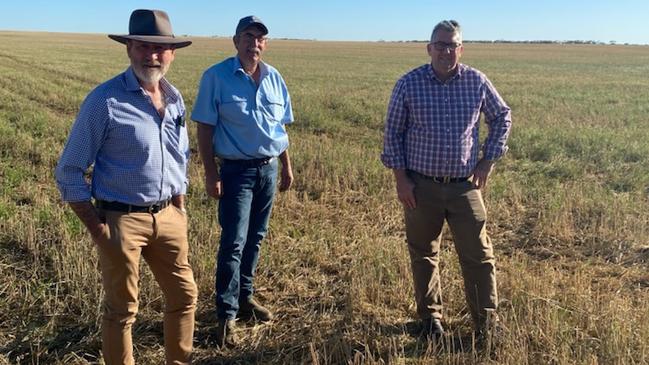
pixel 244 211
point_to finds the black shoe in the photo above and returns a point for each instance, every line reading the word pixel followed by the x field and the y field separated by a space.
pixel 432 328
pixel 225 336
pixel 250 309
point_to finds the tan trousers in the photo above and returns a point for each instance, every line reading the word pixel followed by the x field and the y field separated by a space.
pixel 461 205
pixel 160 238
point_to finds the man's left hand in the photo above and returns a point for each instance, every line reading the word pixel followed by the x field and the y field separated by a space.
pixel 286 178
pixel 481 173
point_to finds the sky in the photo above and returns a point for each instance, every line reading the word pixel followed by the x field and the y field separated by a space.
pixel 621 21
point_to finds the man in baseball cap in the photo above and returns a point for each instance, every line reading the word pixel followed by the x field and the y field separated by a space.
pixel 242 109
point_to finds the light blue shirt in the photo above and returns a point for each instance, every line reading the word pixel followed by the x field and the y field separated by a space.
pixel 139 158
pixel 248 121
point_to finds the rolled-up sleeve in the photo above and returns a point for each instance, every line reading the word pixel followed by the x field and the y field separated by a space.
pixel 396 121
pixel 499 121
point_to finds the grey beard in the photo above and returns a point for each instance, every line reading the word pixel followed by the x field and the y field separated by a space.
pixel 152 77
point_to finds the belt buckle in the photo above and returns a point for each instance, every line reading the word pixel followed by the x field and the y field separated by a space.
pixel 446 180
pixel 153 209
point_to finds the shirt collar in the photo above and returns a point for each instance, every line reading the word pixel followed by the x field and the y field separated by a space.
pixel 236 66
pixel 133 85
pixel 131 80
pixel 460 71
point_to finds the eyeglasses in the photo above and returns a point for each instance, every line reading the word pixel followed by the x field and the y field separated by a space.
pixel 443 46
pixel 249 37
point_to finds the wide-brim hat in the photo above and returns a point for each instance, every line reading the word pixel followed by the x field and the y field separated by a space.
pixel 151 26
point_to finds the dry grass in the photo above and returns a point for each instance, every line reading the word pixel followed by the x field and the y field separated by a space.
pixel 567 211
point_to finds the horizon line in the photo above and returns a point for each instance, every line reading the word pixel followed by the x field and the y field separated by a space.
pixel 535 41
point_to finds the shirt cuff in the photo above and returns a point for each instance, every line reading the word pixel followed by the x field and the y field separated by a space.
pixel 71 195
pixel 393 162
pixel 492 155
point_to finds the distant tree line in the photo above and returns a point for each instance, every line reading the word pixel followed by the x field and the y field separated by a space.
pixel 577 41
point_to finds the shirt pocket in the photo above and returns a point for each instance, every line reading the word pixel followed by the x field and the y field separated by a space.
pixel 232 107
pixel 426 111
pixel 176 120
pixel 467 109
pixel 273 106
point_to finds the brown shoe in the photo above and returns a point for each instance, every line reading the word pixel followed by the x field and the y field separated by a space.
pixel 225 336
pixel 250 309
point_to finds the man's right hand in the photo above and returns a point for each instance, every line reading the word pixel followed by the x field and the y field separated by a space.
pixel 90 218
pixel 405 189
pixel 99 233
pixel 213 186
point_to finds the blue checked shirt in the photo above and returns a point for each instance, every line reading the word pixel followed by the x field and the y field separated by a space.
pixel 138 157
pixel 248 120
pixel 433 128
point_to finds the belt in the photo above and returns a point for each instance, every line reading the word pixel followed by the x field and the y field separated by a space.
pixel 255 162
pixel 128 208
pixel 442 179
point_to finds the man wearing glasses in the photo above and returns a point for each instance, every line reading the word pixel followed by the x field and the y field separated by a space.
pixel 432 145
pixel 241 111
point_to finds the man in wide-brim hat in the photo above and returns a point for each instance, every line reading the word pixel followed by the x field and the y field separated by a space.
pixel 132 129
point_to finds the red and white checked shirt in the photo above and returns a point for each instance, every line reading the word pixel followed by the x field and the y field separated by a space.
pixel 433 127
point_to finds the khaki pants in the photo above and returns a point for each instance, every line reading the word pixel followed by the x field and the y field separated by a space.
pixel 461 205
pixel 160 238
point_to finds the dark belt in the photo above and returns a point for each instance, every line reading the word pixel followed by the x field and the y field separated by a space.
pixel 128 208
pixel 255 162
pixel 442 179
